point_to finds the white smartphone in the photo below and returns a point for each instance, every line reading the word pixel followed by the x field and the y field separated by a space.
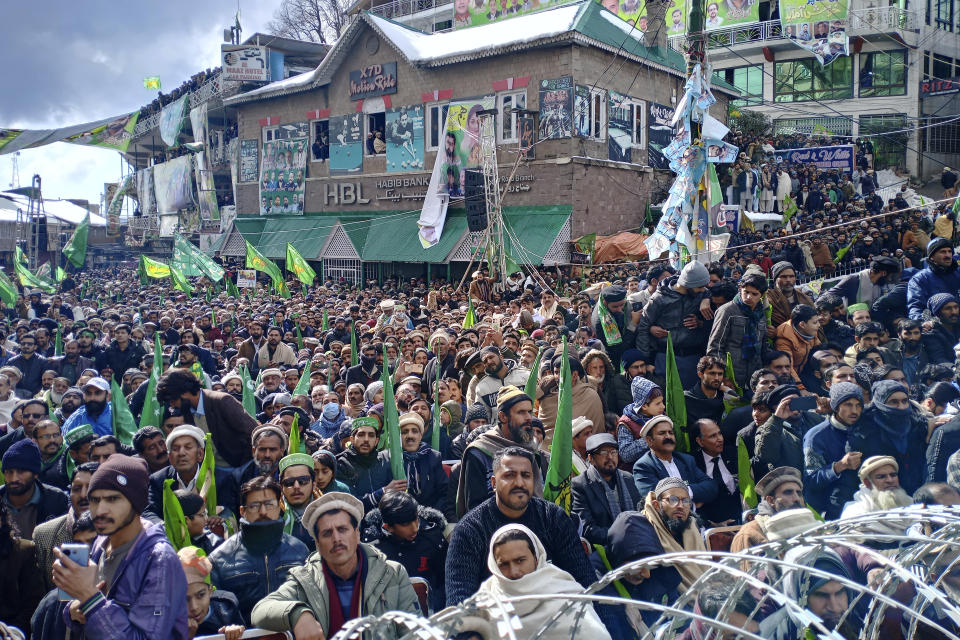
pixel 77 552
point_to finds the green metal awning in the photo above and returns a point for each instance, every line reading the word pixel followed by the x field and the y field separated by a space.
pixel 531 231
pixel 306 234
pixel 250 228
pixel 216 244
pixel 396 240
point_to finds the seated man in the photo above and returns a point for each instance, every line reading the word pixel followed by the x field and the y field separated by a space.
pixel 362 469
pixel 186 444
pixel 879 488
pixel 426 479
pixel 261 555
pixel 603 491
pixel 342 581
pixel 779 490
pixel 668 508
pixel 718 460
pixel 663 461
pixel 297 477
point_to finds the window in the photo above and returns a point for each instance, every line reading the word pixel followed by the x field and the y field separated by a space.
pixel 883 74
pixel 319 140
pixel 436 119
pixel 629 111
pixel 375 130
pixel 590 113
pixel 941 138
pixel 506 102
pixel 749 80
pixel 802 80
pixel 285 131
pixel 838 126
pixel 942 67
pixel 943 14
pixel 890 150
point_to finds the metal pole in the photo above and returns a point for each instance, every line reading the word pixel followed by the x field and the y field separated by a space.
pixel 696 54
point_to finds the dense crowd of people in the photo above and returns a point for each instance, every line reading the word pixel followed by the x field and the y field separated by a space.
pixel 843 398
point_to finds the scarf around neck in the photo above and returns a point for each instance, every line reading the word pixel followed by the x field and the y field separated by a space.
pixel 338 617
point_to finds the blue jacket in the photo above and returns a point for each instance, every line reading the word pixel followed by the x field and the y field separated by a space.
pixel 649 470
pixel 939 343
pixel 102 424
pixel 145 601
pixel 255 562
pixel 823 488
pixel 927 283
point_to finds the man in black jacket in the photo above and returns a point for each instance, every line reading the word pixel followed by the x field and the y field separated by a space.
pixel 122 354
pixel 718 460
pixel 29 501
pixel 603 491
pixel 30 364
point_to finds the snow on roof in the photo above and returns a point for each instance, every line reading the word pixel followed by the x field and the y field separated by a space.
pixel 623 25
pixel 421 47
pixel 293 82
pixel 60 209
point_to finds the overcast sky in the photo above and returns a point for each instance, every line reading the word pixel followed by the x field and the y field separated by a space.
pixel 72 62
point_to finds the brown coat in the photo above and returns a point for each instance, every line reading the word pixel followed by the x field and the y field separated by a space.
pixel 249 351
pixel 781 308
pixel 230 426
pixel 821 255
pixel 789 341
pixel 749 535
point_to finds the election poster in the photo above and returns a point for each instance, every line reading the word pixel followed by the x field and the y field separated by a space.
pixel 722 14
pixel 404 138
pixel 819 26
pixel 659 135
pixel 581 111
pixel 249 171
pixel 833 157
pixel 246 279
pixel 719 151
pixel 346 144
pixel 556 108
pixel 473 13
pixel 115 134
pixel 171 121
pixel 206 191
pixel 282 176
pixel 620 126
pixel 148 203
pixel 173 184
pixel 676 18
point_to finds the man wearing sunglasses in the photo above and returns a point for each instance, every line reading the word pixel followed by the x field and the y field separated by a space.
pixel 30 364
pixel 297 480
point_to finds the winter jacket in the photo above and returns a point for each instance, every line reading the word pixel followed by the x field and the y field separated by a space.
pixel 944 441
pixel 589 492
pixel 22 588
pixel 146 599
pixel 364 474
pixel 868 438
pixel 32 369
pixel 424 556
pixel 490 385
pixel 779 443
pixel 224 611
pixel 119 360
pixel 790 341
pixel 618 392
pixel 726 336
pixel 426 479
pixel 649 470
pixel 824 489
pixel 939 343
pixel 667 309
pixel 53 501
pixel 780 307
pixel 930 281
pixel 386 588
pixel 255 562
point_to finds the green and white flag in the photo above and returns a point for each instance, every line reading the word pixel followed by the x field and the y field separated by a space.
pixel 179 281
pixel 192 262
pixel 152 410
pixel 8 290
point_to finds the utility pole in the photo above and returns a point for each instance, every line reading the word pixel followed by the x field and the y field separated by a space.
pixel 491 185
pixel 696 55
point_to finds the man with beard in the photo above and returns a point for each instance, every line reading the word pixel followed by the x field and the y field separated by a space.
pixel 270 383
pixel 498 373
pixel 97 409
pixel 269 444
pixel 186 447
pixel 940 275
pixel 297 476
pixel 514 428
pixel 259 558
pixel 912 356
pixel 705 399
pixel 86 339
pixel 828 464
pixel 668 507
pixel 8 399
pixel 275 352
pixel 944 331
pixel 867 285
pixel 879 489
pixel 30 412
pixel 250 347
pixel 663 461
pixel 133 586
pixel 779 490
pixel 71 364
pixel 213 412
pixel 339 333
pixel 150 445
pixel 445 358
pixel 784 295
pixel 833 316
pixel 122 354
pixel 515 477
pixel 29 502
pixel 426 479
pixel 53 533
pixel 603 491
pixel 233 384
pixel 367 370
pixel 362 469
pixel 53 469
pixel 30 364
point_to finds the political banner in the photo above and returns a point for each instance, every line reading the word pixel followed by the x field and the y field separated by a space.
pixel 833 157
pixel 676 18
pixel 556 108
pixel 720 151
pixel 632 11
pixel 127 187
pixel 171 121
pixel 249 169
pixel 246 278
pixel 722 14
pixel 111 133
pixel 620 115
pixel 145 197
pixel 346 144
pixel 819 26
pixel 198 124
pixel 460 151
pixel 581 111
pixel 173 184
pixel 728 216
pixel 7 136
pixel 659 135
pixel 473 13
pixel 282 176
pixel 206 190
pixel 404 138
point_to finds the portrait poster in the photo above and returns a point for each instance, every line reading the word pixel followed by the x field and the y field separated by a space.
pixel 556 108
pixel 528 137
pixel 206 191
pixel 719 151
pixel 659 135
pixel 676 18
pixel 819 26
pixel 145 196
pixel 620 127
pixel 173 184
pixel 473 13
pixel 246 279
pixel 171 121
pixel 346 144
pixel 404 138
pixel 581 111
pixel 721 14
pixel 282 176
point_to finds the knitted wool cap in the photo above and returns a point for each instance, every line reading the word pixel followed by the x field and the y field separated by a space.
pixel 476 412
pixel 843 391
pixel 508 396
pixel 23 455
pixel 938 301
pixel 129 476
pixel 768 484
pixel 669 483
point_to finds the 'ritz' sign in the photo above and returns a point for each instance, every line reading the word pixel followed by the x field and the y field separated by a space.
pixel 372 81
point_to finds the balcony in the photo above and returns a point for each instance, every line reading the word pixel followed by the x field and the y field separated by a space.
pixel 212 90
pixel 143 224
pixel 400 8
pixel 861 22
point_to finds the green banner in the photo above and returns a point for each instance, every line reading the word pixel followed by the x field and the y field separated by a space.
pixel 29 279
pixel 193 262
pixel 76 248
pixel 171 121
pixel 721 14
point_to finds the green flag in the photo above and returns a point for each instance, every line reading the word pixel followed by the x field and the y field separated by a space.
pixel 8 291
pixel 193 262
pixel 845 250
pixel 59 274
pixel 213 317
pixel 174 521
pixel 325 323
pixel 58 343
pixel 295 446
pixel 299 338
pixel 124 426
pixel 28 278
pixel 249 403
pixel 206 478
pixel 257 261
pixel 556 486
pixel 152 410
pixel 531 388
pixel 297 265
pixel 354 356
pixel 207 295
pixel 391 423
pixel 729 375
pixel 76 248
pixel 676 404
pixel 303 384
pixel 471 318
pixel 437 425
pixel 748 488
pixel 956 206
pixel 232 289
pixel 151 82
pixel 180 281
pixel 789 208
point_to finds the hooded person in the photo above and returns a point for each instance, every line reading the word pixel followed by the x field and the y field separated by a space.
pixel 518 566
pixel 452 411
pixel 939 275
pixel 648 401
pixel 668 508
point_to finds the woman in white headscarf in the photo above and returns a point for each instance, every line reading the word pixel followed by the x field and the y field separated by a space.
pixel 519 567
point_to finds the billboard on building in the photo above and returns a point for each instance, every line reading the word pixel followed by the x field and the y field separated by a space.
pixel 832 157
pixel 722 14
pixel 473 13
pixel 404 138
pixel 819 26
pixel 556 108
pixel 620 117
pixel 245 63
pixel 659 135
pixel 282 176
pixel 346 144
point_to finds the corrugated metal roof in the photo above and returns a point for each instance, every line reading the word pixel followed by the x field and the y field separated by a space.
pixel 306 233
pixel 396 240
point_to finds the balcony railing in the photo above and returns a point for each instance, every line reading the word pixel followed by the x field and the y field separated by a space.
pixel 211 90
pixel 881 19
pixel 143 223
pixel 400 8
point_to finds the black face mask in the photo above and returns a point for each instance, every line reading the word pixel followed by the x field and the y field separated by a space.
pixel 368 362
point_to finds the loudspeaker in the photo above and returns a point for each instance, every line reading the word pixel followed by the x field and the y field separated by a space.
pixel 475 199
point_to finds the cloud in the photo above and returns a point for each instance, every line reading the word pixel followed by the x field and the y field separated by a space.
pixel 79 62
